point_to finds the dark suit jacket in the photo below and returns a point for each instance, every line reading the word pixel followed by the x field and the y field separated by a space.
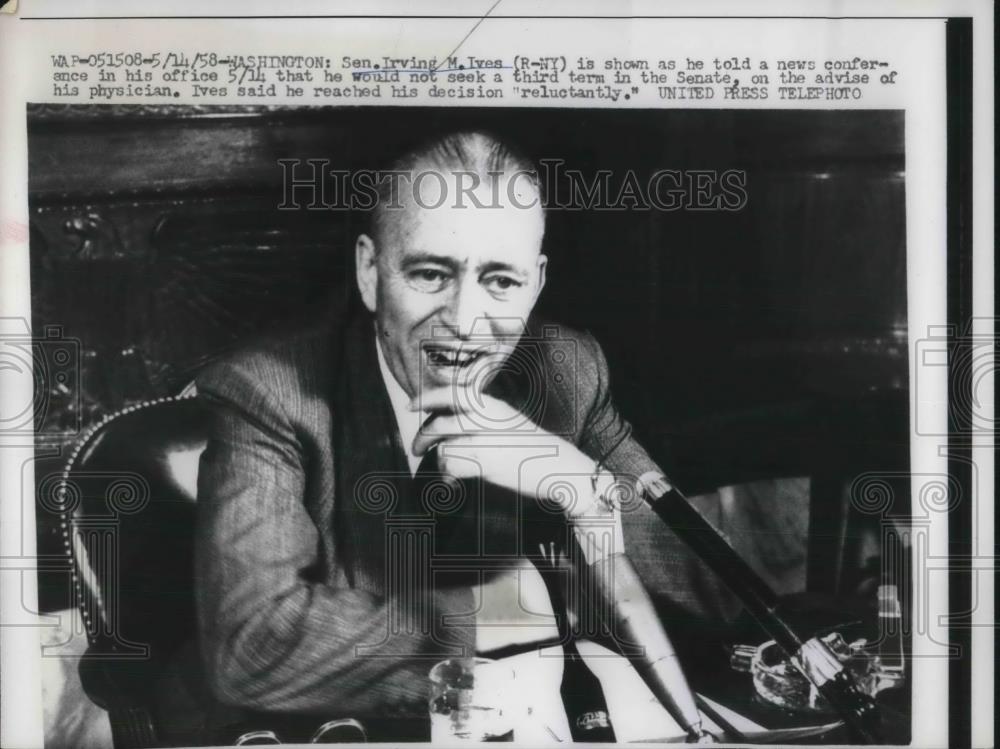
pixel 303 481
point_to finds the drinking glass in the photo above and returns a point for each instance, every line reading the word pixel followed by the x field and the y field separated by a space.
pixel 470 701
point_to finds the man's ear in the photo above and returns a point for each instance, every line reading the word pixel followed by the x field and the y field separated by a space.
pixel 543 261
pixel 366 264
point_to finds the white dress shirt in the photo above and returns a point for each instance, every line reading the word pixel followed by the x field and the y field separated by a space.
pixel 408 421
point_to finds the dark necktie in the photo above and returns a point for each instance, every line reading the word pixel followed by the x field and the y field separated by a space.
pixel 442 497
pixel 428 467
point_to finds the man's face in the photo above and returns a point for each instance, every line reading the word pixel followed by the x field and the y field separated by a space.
pixel 451 287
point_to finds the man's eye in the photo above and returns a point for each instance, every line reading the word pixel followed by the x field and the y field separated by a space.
pixel 428 279
pixel 502 283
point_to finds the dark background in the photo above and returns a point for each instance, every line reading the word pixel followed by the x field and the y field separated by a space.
pixel 765 342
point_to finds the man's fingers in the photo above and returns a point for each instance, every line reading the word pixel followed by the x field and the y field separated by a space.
pixel 435 430
pixel 424 442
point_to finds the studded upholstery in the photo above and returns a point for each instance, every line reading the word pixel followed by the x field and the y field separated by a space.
pixel 127 496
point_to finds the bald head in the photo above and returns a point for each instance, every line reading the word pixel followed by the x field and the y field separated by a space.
pixel 454 171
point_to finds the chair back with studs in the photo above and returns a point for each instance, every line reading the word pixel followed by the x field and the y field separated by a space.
pixel 128 496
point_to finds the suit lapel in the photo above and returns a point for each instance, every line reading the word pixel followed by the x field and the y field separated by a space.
pixel 372 475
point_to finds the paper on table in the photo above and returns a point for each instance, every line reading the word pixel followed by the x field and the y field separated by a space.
pixel 513 608
pixel 635 712
pixel 541 718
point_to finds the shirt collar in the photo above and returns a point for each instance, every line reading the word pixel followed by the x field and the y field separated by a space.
pixel 407 421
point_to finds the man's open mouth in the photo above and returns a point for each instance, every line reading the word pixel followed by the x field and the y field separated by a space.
pixel 443 356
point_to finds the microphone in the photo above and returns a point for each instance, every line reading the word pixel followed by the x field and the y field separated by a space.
pixel 615 593
pixel 809 654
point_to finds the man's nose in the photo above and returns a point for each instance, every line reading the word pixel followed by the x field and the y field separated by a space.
pixel 466 312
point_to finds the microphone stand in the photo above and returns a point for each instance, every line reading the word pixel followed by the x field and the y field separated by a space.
pixel 810 654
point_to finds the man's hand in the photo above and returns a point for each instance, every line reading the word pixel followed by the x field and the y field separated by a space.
pixel 479 436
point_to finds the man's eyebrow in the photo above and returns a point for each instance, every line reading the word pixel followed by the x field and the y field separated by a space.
pixel 419 257
pixel 499 266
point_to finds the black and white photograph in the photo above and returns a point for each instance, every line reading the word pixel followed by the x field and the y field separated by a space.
pixel 372 356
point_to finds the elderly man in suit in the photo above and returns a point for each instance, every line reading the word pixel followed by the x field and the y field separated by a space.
pixel 309 598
